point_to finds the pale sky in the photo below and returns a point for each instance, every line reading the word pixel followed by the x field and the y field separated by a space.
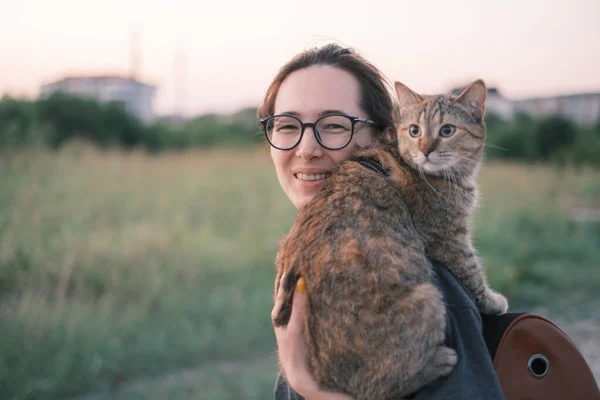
pixel 230 50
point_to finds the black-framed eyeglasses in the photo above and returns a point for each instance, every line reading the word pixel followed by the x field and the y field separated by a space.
pixel 333 131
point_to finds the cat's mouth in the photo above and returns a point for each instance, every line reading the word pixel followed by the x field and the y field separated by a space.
pixel 312 177
pixel 428 165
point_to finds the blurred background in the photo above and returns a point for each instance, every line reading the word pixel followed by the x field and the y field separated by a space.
pixel 140 214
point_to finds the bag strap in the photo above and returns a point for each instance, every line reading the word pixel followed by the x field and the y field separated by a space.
pixel 494 327
pixel 373 165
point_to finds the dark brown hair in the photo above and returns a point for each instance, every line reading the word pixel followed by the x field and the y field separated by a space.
pixel 374 98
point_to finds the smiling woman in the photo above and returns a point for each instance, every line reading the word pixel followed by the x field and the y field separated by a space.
pixel 343 103
pixel 309 94
pixel 323 105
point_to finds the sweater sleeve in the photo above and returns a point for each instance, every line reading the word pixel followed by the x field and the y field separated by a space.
pixel 283 391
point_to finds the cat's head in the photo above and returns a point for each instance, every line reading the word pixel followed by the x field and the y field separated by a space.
pixel 442 134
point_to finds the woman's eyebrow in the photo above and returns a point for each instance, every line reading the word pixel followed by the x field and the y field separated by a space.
pixel 324 112
pixel 294 113
pixel 327 112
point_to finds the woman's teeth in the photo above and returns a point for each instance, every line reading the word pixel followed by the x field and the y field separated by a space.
pixel 316 177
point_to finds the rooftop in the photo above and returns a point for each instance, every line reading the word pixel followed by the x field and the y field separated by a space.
pixel 102 78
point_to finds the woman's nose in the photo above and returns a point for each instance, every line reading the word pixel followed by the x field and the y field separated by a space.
pixel 309 148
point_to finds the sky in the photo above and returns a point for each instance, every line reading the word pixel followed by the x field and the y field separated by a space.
pixel 220 56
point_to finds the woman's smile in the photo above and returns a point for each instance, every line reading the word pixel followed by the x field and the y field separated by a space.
pixel 312 177
pixel 308 183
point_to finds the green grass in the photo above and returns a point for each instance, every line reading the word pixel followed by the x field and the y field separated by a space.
pixel 116 267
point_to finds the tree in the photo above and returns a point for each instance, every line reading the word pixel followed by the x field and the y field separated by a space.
pixel 17 121
pixel 554 134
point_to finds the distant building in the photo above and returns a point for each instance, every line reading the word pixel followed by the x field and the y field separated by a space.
pixel 135 97
pixel 582 108
pixel 498 104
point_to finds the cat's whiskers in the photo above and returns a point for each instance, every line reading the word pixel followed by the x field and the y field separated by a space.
pixel 448 178
pixel 493 146
pixel 462 171
pixel 465 171
pixel 463 174
pixel 455 180
pixel 466 158
pixel 424 176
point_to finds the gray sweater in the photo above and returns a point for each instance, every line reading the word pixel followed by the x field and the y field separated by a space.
pixel 473 377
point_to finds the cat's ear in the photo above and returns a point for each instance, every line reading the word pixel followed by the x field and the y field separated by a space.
pixel 405 95
pixel 474 96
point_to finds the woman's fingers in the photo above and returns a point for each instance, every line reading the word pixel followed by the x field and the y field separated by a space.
pixel 279 298
pixel 299 305
pixel 290 341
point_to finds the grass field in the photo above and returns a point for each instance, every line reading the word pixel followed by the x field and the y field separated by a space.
pixel 117 267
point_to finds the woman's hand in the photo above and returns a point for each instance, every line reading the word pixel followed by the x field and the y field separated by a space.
pixel 290 340
pixel 292 349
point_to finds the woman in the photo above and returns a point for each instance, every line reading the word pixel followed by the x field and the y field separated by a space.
pixel 334 80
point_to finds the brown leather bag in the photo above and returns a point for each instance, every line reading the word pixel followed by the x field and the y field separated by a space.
pixel 534 359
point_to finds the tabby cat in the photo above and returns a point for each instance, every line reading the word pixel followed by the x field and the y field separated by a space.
pixel 442 139
pixel 375 325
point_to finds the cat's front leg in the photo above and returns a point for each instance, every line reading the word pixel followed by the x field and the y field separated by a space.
pixel 460 258
pixel 471 273
pixel 488 301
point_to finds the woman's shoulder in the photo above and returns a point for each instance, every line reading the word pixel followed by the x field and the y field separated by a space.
pixel 474 376
pixel 455 294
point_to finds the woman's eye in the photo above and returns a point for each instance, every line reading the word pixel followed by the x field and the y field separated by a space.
pixel 414 130
pixel 334 127
pixel 286 128
pixel 447 130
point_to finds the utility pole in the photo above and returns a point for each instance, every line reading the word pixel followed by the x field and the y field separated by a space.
pixel 180 82
pixel 135 54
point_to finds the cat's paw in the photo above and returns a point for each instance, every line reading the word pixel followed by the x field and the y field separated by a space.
pixel 437 365
pixel 495 304
pixel 444 360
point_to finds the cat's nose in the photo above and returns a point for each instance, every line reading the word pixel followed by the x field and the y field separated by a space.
pixel 426 146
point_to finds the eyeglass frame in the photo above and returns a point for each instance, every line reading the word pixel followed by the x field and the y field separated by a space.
pixel 313 125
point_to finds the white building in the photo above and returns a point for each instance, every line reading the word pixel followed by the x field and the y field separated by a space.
pixel 499 104
pixel 581 108
pixel 135 97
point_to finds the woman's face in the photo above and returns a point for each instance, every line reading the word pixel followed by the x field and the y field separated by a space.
pixel 310 93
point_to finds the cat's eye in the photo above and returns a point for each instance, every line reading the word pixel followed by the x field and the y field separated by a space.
pixel 414 130
pixel 447 130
